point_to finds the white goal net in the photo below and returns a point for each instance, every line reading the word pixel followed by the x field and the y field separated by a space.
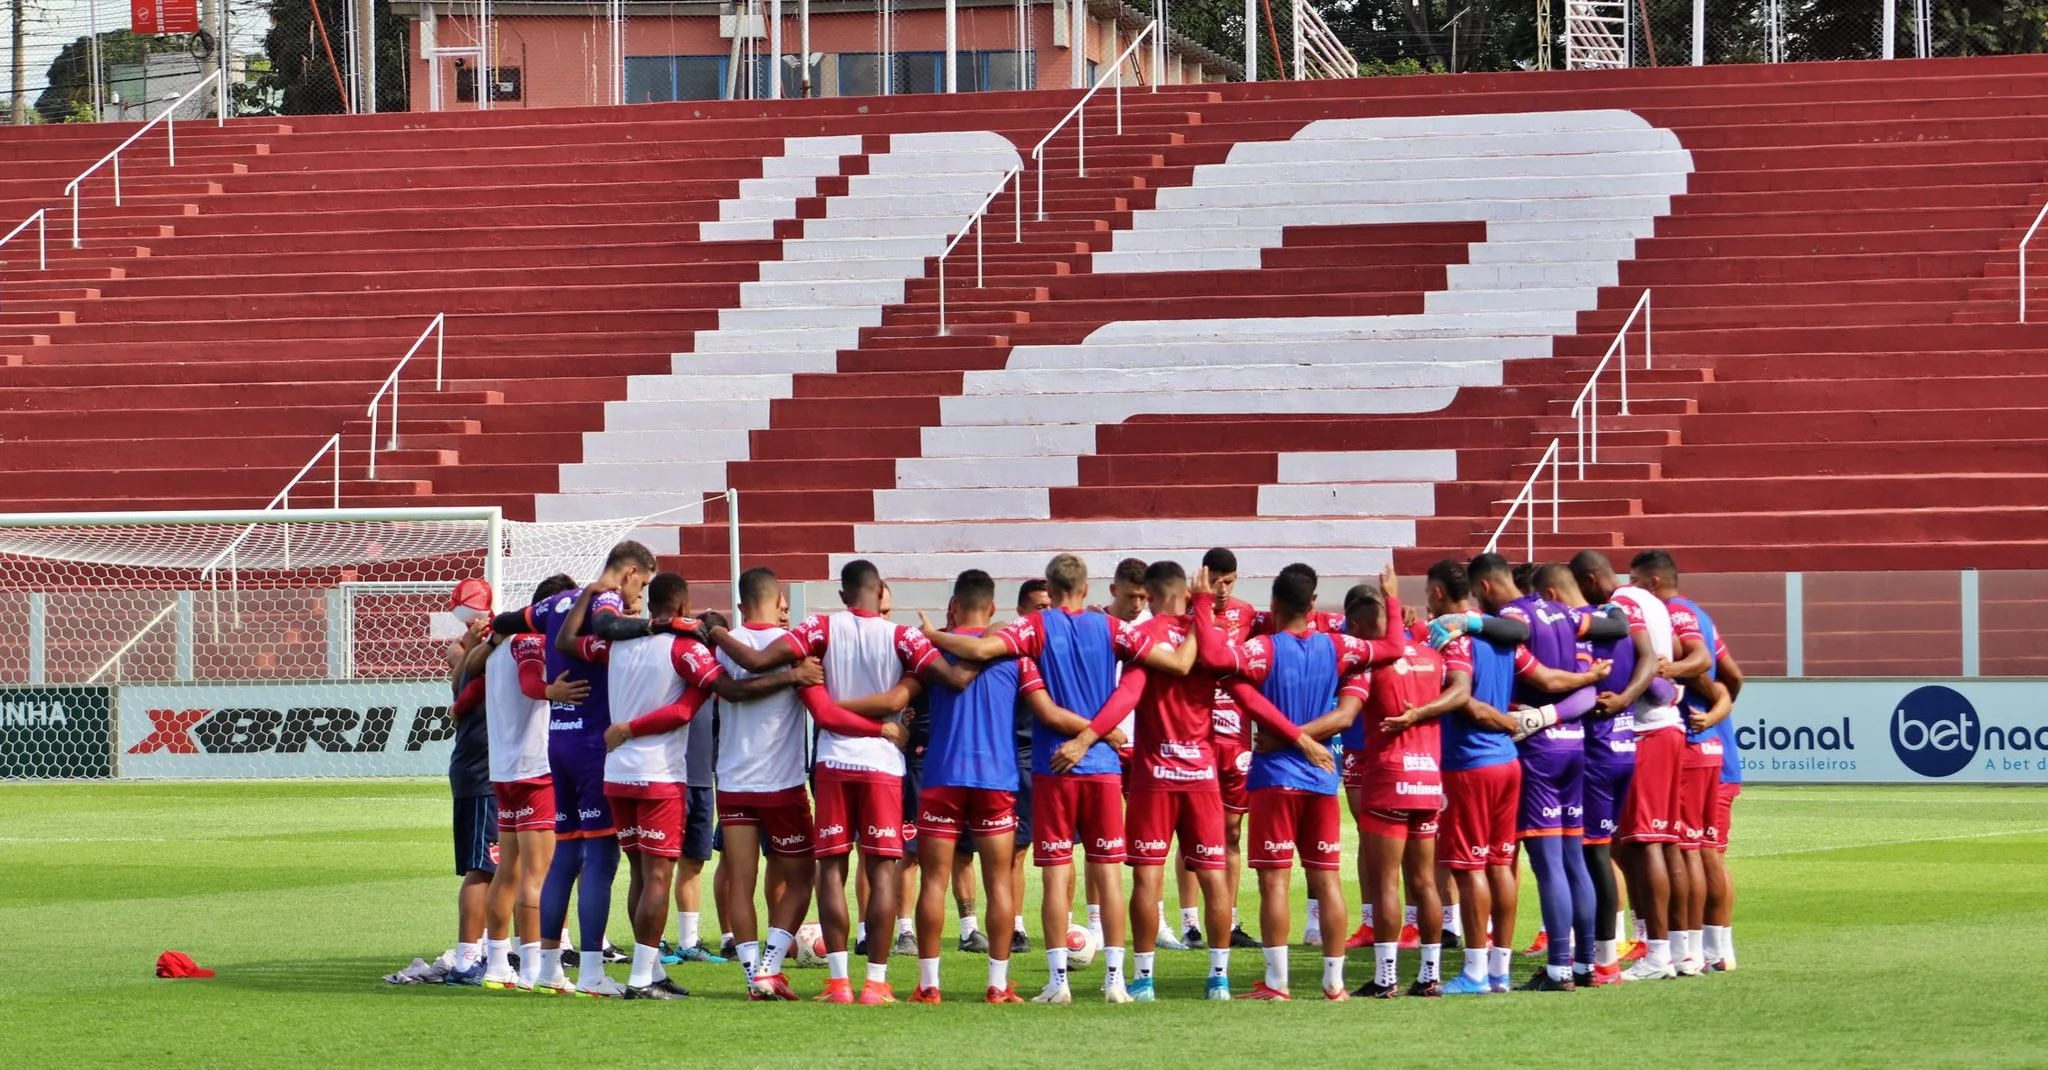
pixel 274 643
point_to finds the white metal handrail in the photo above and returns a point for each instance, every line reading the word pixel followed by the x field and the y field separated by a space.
pixel 974 224
pixel 1586 407
pixel 1525 501
pixel 39 218
pixel 1080 119
pixel 2043 214
pixel 438 328
pixel 332 446
pixel 169 117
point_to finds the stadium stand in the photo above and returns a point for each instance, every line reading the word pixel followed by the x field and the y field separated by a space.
pixel 1317 320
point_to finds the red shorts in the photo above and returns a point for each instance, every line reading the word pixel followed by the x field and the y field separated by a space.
pixel 783 816
pixel 1233 762
pixel 1400 824
pixel 525 805
pixel 858 807
pixel 1699 784
pixel 1479 823
pixel 650 818
pixel 1720 814
pixel 1651 813
pixel 943 813
pixel 1157 816
pixel 1066 810
pixel 1284 818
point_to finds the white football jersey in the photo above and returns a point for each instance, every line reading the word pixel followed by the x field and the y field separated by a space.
pixel 860 659
pixel 646 674
pixel 760 743
pixel 1645 609
pixel 515 726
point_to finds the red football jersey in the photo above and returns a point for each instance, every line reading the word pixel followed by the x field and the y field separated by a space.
pixel 1171 745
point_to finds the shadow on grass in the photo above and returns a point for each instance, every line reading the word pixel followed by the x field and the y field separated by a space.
pixel 324 975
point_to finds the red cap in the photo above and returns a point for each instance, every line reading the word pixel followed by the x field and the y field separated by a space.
pixel 473 595
pixel 179 964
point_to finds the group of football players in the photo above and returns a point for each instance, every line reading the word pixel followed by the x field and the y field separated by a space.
pixel 1556 710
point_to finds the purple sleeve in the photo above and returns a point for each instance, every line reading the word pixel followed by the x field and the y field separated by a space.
pixel 1575 705
pixel 1661 692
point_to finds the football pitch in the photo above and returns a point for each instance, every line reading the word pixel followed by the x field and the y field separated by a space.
pixel 1874 926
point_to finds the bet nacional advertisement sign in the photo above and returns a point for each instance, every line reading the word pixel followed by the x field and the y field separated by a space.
pixel 1893 731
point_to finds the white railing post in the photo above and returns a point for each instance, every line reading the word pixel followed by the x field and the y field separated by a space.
pixel 39 217
pixel 1795 624
pixel 168 117
pixel 732 541
pixel 1525 499
pixel 1972 624
pixel 2024 242
pixel 439 329
pixel 1079 117
pixel 974 223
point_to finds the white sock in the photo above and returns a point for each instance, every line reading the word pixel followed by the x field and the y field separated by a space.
pixel 1364 913
pixel 836 962
pixel 1659 954
pixel 779 942
pixel 999 973
pixel 1499 960
pixel 589 968
pixel 860 933
pixel 927 973
pixel 1454 921
pixel 1722 939
pixel 467 955
pixel 1219 962
pixel 1475 963
pixel 1235 922
pixel 1276 968
pixel 1162 915
pixel 687 933
pixel 1384 967
pixel 1144 963
pixel 1432 962
pixel 969 925
pixel 1680 942
pixel 1558 973
pixel 1333 972
pixel 498 957
pixel 530 959
pixel 1620 923
pixel 724 939
pixel 550 962
pixel 1112 966
pixel 878 973
pixel 1606 952
pixel 1710 943
pixel 1095 923
pixel 905 925
pixel 1056 963
pixel 1641 931
pixel 644 960
pixel 1695 944
pixel 750 958
pixel 1315 915
pixel 1190 917
pixel 1019 926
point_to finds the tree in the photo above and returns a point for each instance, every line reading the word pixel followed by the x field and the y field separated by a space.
pixel 302 74
pixel 70 74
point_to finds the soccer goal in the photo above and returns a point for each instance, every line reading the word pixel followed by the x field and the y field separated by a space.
pixel 308 642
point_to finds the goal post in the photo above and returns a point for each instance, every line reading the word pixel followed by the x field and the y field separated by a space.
pixel 273 643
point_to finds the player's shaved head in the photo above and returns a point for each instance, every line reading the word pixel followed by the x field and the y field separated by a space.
pixel 975 590
pixel 552 586
pixel 858 577
pixel 1164 579
pixel 1490 566
pixel 667 594
pixel 1595 575
pixel 1065 575
pixel 1555 582
pixel 1654 570
pixel 1294 594
pixel 759 588
pixel 1365 609
pixel 1130 571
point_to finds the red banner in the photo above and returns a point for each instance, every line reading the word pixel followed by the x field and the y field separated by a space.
pixel 163 16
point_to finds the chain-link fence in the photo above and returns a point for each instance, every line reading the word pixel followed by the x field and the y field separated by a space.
pixel 1664 32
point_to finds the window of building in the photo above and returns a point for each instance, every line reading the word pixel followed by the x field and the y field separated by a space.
pixel 860 73
pixel 661 78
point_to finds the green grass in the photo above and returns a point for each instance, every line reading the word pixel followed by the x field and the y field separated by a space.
pixel 1876 925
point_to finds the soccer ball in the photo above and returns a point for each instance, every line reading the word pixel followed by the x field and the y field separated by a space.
pixel 1081 946
pixel 810 945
